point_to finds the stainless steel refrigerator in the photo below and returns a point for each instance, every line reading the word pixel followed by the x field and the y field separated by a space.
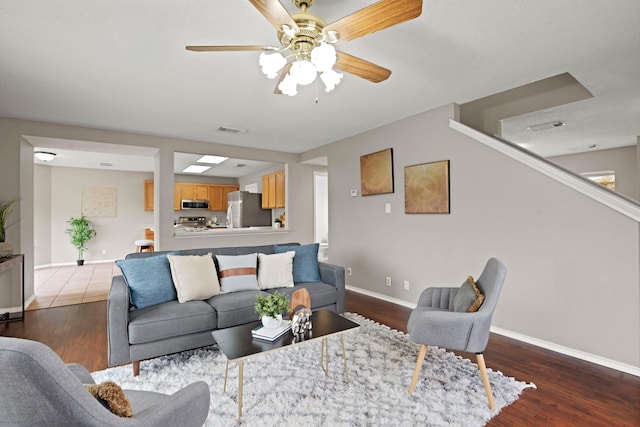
pixel 245 210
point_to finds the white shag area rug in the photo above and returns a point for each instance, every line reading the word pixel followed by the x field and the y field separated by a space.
pixel 288 387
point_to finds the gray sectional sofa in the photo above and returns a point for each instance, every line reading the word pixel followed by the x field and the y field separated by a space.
pixel 170 327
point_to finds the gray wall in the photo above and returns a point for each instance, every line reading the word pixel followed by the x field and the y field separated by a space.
pixel 621 160
pixel 573 264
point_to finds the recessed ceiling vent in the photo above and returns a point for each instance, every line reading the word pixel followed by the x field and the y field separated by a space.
pixel 230 130
pixel 546 126
pixel 106 165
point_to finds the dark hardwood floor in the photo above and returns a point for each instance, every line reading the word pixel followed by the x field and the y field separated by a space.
pixel 570 392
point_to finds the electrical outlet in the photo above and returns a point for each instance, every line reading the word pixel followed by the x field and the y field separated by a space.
pixel 387 208
pixel 406 285
pixel 354 193
pixel 348 271
pixel 388 281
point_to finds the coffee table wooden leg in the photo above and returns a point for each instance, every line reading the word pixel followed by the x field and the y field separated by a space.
pixel 226 373
pixel 344 357
pixel 240 380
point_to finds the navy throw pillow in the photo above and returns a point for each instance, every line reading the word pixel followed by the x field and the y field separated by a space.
pixel 305 262
pixel 149 280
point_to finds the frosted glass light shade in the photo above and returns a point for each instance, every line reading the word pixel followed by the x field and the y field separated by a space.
pixel 288 86
pixel 44 156
pixel 323 57
pixel 271 63
pixel 303 72
pixel 330 78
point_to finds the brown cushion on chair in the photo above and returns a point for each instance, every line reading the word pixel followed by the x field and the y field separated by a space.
pixel 469 297
pixel 112 397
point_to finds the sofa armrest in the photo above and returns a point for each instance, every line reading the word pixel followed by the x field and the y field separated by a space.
pixel 334 275
pixel 118 322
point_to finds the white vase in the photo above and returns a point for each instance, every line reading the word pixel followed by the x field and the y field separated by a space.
pixel 271 322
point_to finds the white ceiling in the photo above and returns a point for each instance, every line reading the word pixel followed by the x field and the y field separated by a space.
pixel 121 65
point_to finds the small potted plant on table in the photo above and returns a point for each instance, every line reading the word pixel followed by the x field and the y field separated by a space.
pixel 80 231
pixel 270 308
pixel 5 209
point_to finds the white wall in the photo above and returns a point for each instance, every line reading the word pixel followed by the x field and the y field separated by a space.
pixel 621 160
pixel 573 264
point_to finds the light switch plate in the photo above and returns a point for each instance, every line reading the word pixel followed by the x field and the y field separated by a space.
pixel 387 208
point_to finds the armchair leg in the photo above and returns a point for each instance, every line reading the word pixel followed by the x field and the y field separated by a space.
pixel 485 380
pixel 418 368
pixel 136 368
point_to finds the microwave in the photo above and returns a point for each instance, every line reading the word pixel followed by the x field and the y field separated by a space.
pixel 194 204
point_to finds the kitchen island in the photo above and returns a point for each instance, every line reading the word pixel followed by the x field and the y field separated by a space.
pixel 181 232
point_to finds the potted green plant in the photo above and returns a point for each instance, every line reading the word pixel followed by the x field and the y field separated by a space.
pixel 270 308
pixel 5 209
pixel 80 231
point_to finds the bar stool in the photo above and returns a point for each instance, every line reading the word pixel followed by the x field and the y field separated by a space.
pixel 144 244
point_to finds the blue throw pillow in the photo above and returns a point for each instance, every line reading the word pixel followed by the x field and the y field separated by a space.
pixel 149 280
pixel 305 262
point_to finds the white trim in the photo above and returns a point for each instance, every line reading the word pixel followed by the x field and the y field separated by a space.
pixel 578 354
pixel 615 201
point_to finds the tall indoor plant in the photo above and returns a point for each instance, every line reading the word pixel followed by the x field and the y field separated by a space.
pixel 80 231
pixel 5 209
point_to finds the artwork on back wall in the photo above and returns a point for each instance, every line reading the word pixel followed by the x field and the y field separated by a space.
pixel 426 188
pixel 376 173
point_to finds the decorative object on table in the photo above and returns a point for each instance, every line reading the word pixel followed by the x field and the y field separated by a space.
pixel 376 173
pixel 301 321
pixel 450 392
pixel 426 188
pixel 5 209
pixel 80 232
pixel 271 334
pixel 270 308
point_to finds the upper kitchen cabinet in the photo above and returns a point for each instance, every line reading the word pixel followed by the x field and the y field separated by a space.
pixel 273 194
pixel 194 191
pixel 226 189
pixel 148 196
pixel 218 196
pixel 177 196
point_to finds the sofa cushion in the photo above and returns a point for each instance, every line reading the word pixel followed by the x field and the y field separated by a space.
pixel 275 271
pixel 320 293
pixel 236 308
pixel 469 298
pixel 149 280
pixel 170 319
pixel 238 272
pixel 194 276
pixel 305 262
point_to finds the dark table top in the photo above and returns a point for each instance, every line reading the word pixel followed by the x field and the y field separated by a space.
pixel 238 343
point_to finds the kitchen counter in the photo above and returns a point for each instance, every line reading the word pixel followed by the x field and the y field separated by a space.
pixel 180 233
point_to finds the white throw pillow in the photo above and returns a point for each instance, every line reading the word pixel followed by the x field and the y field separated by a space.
pixel 194 276
pixel 275 271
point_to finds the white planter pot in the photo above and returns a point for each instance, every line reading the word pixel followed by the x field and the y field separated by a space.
pixel 271 322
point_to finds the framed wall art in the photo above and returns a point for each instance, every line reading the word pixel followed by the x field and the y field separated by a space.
pixel 426 188
pixel 376 173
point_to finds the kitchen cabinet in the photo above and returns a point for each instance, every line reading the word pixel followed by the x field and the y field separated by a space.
pixel 194 191
pixel 177 196
pixel 273 193
pixel 148 196
pixel 226 189
pixel 218 196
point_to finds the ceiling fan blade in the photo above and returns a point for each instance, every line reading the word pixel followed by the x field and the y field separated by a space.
pixel 284 72
pixel 378 16
pixel 361 68
pixel 275 13
pixel 226 48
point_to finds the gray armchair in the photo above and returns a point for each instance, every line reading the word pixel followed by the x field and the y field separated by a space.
pixel 433 322
pixel 38 389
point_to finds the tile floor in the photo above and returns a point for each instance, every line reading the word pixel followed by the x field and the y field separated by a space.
pixel 67 285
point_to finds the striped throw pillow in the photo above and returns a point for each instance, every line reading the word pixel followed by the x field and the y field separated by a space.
pixel 238 272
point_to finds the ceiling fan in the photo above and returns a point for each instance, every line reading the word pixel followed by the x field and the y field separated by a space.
pixel 306 42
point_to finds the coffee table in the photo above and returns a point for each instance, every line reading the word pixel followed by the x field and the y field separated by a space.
pixel 237 344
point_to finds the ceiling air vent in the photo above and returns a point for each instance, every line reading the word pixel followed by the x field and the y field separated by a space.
pixel 106 165
pixel 546 126
pixel 230 130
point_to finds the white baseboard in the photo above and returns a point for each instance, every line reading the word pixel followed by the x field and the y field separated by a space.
pixel 65 264
pixel 578 354
pixel 18 309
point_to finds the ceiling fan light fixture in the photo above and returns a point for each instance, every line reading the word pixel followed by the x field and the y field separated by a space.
pixel 288 86
pixel 323 57
pixel 331 79
pixel 303 72
pixel 271 63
